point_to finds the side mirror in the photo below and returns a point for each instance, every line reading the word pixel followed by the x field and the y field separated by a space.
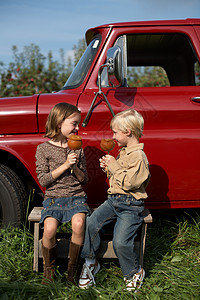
pixel 114 66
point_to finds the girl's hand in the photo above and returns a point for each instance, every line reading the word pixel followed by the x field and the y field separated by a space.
pixel 72 159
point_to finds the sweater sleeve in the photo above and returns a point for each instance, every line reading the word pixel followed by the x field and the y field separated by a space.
pixel 82 166
pixel 42 168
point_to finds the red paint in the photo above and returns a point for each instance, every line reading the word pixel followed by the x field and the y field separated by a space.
pixel 171 132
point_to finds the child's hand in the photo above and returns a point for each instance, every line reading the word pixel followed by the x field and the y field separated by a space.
pixel 102 163
pixel 72 159
pixel 105 160
pixel 108 159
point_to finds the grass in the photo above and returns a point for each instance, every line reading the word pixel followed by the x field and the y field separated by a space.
pixel 172 265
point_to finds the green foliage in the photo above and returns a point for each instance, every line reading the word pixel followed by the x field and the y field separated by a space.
pixel 79 50
pixel 172 264
pixel 197 73
pixel 33 73
pixel 147 77
pixel 16 254
pixel 175 272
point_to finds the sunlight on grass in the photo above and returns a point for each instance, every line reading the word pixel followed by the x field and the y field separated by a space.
pixel 172 264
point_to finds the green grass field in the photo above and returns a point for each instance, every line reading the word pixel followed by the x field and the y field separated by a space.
pixel 172 265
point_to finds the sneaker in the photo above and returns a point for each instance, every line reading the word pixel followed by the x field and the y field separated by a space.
pixel 87 275
pixel 136 281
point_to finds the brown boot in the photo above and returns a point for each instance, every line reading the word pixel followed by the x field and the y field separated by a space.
pixel 49 259
pixel 75 262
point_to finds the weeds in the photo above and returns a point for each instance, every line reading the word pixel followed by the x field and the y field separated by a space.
pixel 172 264
pixel 16 254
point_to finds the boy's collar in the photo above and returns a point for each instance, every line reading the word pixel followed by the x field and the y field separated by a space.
pixel 139 146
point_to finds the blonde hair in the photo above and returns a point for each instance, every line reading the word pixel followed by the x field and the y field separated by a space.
pixel 57 115
pixel 129 119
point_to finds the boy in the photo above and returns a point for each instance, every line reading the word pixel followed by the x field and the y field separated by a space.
pixel 128 179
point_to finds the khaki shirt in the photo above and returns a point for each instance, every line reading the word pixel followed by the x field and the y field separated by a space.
pixel 129 173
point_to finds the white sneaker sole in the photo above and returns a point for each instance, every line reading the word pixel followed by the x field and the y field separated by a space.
pixel 90 282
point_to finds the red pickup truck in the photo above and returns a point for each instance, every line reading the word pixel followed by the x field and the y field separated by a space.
pixel 100 87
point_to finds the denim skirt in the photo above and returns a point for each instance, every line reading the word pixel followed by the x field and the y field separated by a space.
pixel 63 209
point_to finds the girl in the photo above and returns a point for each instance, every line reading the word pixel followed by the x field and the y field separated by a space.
pixel 64 198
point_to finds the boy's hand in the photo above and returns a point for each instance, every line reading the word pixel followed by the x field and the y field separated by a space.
pixel 108 159
pixel 102 163
pixel 105 160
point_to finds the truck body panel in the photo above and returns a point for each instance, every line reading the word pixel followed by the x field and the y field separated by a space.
pixel 18 115
pixel 171 113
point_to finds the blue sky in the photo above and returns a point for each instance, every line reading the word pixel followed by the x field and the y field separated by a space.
pixel 56 24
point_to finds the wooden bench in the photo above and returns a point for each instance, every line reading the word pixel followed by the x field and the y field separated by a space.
pixel 106 248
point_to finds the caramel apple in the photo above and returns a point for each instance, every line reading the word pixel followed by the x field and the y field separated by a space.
pixel 74 142
pixel 107 144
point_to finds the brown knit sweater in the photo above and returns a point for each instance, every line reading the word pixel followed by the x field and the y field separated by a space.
pixel 48 158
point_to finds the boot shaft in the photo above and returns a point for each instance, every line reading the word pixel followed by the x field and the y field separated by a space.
pixel 75 262
pixel 49 260
pixel 49 255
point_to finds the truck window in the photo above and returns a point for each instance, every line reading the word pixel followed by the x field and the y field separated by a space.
pixel 84 64
pixel 197 73
pixel 161 60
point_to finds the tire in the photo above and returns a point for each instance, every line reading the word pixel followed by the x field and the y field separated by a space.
pixel 13 198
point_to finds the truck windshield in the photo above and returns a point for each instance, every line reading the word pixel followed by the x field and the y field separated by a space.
pixel 83 66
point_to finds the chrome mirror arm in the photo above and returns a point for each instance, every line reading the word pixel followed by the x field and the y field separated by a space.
pixel 85 121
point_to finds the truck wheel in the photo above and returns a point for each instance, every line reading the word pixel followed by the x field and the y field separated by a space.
pixel 13 198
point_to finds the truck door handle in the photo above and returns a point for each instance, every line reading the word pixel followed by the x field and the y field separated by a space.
pixel 196 99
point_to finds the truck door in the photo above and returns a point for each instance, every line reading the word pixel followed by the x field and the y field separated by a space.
pixel 161 82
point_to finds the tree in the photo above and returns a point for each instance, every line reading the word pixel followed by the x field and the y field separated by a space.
pixel 79 50
pixel 197 73
pixel 31 72
pixel 147 77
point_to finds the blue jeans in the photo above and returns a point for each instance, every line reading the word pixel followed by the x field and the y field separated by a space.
pixel 126 210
